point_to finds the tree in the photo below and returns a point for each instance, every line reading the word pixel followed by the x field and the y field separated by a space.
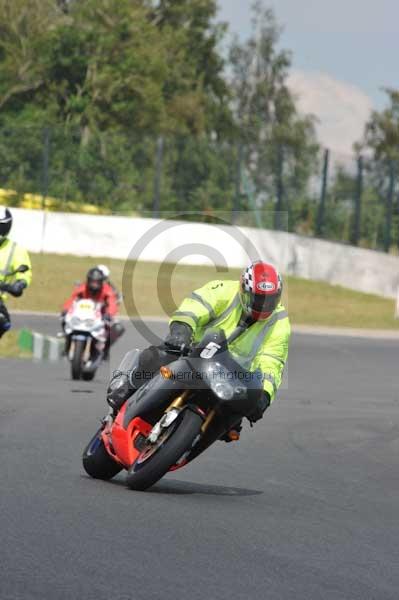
pixel 382 130
pixel 280 144
pixel 108 67
pixel 25 32
pixel 195 84
pixel 381 140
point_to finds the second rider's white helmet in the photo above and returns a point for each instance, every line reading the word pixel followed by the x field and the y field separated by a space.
pixel 104 270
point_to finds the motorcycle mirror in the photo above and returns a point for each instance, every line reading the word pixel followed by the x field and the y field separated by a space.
pixel 22 269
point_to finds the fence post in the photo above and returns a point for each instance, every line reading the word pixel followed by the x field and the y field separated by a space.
pixel 358 203
pixel 157 178
pixel 280 188
pixel 45 165
pixel 323 195
pixel 389 205
pixel 237 193
pixel 45 181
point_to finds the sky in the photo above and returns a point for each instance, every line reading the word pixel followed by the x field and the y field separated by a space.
pixel 344 52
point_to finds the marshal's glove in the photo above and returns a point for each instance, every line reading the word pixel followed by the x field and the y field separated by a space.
pixel 16 288
pixel 180 334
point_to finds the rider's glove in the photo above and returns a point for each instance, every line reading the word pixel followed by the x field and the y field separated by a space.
pixel 16 288
pixel 179 335
pixel 262 405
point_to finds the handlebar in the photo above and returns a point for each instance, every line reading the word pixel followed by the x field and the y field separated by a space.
pixel 184 349
pixel 20 269
pixel 5 287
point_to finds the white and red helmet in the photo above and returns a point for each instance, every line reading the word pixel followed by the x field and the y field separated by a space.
pixel 260 290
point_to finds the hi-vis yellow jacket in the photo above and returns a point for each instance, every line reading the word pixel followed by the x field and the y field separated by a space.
pixel 264 345
pixel 11 257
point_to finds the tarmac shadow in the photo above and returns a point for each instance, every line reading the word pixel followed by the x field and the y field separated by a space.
pixel 173 486
pixel 178 488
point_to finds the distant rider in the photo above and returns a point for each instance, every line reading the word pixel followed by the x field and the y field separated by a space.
pixel 12 256
pixel 98 290
pixel 255 322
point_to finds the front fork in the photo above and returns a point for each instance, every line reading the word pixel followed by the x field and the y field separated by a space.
pixel 173 411
pixel 180 402
pixel 87 351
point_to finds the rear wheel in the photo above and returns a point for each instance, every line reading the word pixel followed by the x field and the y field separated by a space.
pixel 76 362
pixel 155 460
pixel 97 462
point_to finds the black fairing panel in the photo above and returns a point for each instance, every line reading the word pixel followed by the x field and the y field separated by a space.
pixel 216 336
pixel 151 399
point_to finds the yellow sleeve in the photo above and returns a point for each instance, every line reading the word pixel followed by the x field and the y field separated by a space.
pixel 272 357
pixel 204 304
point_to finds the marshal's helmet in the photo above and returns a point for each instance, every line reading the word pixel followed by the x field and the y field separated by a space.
pixel 5 223
pixel 260 290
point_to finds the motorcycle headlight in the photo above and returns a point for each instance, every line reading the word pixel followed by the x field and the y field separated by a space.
pixel 223 383
pixel 75 322
pixel 89 323
pixel 222 389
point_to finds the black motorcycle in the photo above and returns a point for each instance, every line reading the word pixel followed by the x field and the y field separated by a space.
pixel 173 417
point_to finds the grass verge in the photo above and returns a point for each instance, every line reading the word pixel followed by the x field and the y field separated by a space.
pixel 156 291
pixel 9 346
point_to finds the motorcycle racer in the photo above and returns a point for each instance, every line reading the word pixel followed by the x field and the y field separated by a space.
pixel 97 289
pixel 253 319
pixel 12 257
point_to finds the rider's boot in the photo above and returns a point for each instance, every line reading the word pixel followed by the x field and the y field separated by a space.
pixel 119 390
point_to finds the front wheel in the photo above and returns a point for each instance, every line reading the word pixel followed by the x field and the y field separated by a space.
pixel 154 461
pixel 97 462
pixel 77 359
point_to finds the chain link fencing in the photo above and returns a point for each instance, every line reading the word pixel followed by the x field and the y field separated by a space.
pixel 346 198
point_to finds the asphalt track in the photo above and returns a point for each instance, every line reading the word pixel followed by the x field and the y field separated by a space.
pixel 304 507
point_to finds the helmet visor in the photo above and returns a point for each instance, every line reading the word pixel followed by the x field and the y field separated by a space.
pixel 262 303
pixel 95 285
pixel 5 229
pixel 259 303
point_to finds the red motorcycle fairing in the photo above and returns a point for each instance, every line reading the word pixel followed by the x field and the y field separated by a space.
pixel 120 442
